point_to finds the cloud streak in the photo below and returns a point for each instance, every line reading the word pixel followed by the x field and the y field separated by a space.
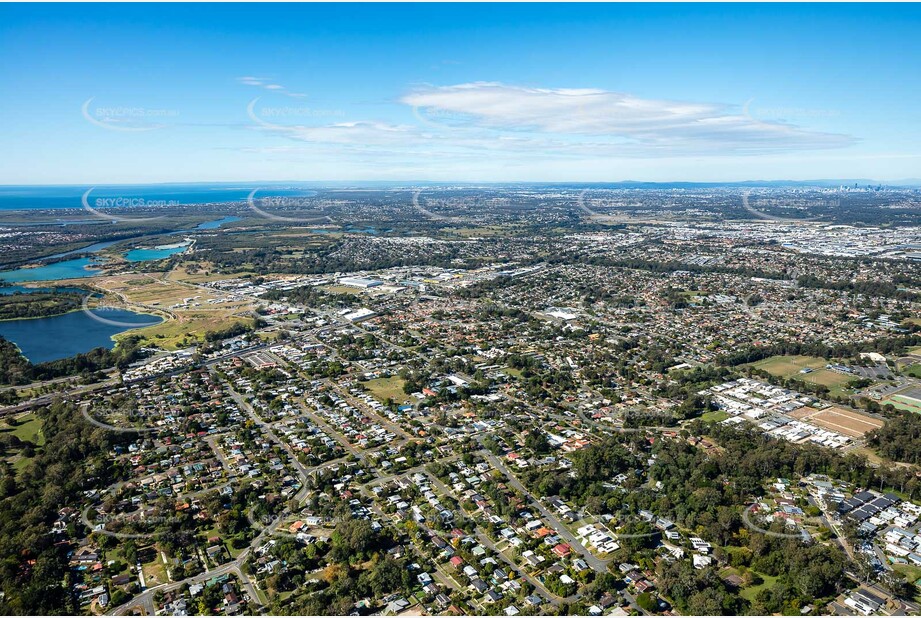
pixel 269 84
pixel 635 124
pixel 517 124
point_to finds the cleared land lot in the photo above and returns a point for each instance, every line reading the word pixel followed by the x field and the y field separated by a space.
pixel 384 388
pixel 845 422
pixel 186 308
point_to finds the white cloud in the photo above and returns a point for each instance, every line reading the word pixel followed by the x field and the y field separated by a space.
pixel 621 121
pixel 498 127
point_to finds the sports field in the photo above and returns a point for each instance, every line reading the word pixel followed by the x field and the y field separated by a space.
pixel 790 367
pixel 910 400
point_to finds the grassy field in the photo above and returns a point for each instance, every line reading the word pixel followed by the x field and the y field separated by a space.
pixel 751 592
pixel 790 366
pixel 911 573
pixel 204 273
pixel 913 371
pixel 185 324
pixel 384 388
pixel 190 328
pixel 28 428
pixel 903 403
pixel 714 417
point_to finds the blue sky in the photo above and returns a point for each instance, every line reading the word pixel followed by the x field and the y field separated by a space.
pixel 157 93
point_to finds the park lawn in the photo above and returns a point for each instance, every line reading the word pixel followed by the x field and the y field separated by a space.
pixel 913 370
pixel 387 388
pixel 911 572
pixel 751 592
pixel 28 429
pixel 714 417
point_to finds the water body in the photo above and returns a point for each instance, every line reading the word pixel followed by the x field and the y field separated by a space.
pixel 77 268
pixel 94 248
pixel 13 289
pixel 30 197
pixel 213 225
pixel 63 336
pixel 157 253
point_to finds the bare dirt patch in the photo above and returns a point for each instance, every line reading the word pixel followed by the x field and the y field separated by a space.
pixel 845 422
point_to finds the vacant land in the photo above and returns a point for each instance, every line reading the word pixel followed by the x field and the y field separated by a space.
pixel 190 311
pixel 714 417
pixel 387 388
pixel 846 422
pixel 201 272
pixel 341 289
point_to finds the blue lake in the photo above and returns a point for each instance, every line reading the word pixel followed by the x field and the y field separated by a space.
pixel 62 336
pixel 13 289
pixel 94 248
pixel 28 197
pixel 156 253
pixel 213 225
pixel 68 269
